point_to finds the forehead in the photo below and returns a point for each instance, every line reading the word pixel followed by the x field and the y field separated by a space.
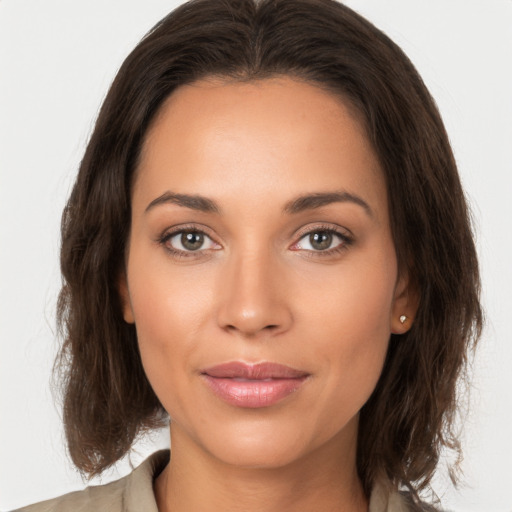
pixel 274 136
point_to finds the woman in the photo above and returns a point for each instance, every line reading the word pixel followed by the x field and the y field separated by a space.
pixel 268 242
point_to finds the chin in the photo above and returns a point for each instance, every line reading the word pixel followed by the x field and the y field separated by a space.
pixel 260 454
pixel 256 444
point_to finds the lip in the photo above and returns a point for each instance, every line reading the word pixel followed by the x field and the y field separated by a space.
pixel 253 385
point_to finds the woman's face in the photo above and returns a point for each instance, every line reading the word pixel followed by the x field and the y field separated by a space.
pixel 260 234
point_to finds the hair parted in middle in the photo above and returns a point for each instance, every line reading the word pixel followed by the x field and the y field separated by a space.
pixel 108 400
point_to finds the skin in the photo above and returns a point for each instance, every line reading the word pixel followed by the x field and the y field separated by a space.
pixel 258 290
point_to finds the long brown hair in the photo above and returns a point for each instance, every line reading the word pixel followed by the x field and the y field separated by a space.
pixel 409 418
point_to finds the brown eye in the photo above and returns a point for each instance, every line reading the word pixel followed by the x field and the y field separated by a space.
pixel 192 241
pixel 321 240
pixel 189 241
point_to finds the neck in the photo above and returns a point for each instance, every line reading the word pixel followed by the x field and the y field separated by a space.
pixel 195 481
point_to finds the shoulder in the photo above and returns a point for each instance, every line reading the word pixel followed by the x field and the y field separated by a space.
pixel 101 497
pixel 132 492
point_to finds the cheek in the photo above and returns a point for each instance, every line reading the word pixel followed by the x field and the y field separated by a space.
pixel 355 340
pixel 169 311
pixel 353 302
pixel 348 319
pixel 166 299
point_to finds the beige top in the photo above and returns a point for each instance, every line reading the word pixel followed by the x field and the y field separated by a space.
pixel 134 493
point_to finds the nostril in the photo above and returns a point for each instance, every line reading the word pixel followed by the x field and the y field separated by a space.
pixel 252 331
pixel 250 314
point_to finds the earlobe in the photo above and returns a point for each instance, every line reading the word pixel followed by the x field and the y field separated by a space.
pixel 124 296
pixel 405 306
pixel 401 324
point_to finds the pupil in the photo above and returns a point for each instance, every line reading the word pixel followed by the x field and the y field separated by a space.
pixel 320 240
pixel 192 241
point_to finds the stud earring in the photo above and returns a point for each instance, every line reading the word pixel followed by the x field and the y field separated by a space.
pixel 403 318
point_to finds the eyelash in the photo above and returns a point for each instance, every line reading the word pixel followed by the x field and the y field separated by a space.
pixel 346 241
pixel 178 253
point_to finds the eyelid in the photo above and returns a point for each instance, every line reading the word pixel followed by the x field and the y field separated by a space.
pixel 333 228
pixel 173 231
pixel 178 234
pixel 178 228
pixel 341 232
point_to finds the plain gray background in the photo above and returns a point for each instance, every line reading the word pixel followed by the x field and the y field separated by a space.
pixel 57 59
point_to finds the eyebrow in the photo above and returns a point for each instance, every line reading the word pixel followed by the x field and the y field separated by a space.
pixel 297 205
pixel 317 200
pixel 194 202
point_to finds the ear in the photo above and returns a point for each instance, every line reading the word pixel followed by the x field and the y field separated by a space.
pixel 124 296
pixel 405 305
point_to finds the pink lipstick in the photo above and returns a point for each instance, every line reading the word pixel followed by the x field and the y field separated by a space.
pixel 253 385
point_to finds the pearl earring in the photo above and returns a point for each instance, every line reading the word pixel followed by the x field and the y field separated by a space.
pixel 403 318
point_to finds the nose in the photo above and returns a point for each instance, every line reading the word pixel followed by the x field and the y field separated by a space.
pixel 253 297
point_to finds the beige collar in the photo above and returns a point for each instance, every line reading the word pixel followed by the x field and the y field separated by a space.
pixel 382 500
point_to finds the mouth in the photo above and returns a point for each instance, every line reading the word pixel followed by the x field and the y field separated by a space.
pixel 253 385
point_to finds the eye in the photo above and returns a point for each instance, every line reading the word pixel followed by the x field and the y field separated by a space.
pixel 322 240
pixel 188 241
